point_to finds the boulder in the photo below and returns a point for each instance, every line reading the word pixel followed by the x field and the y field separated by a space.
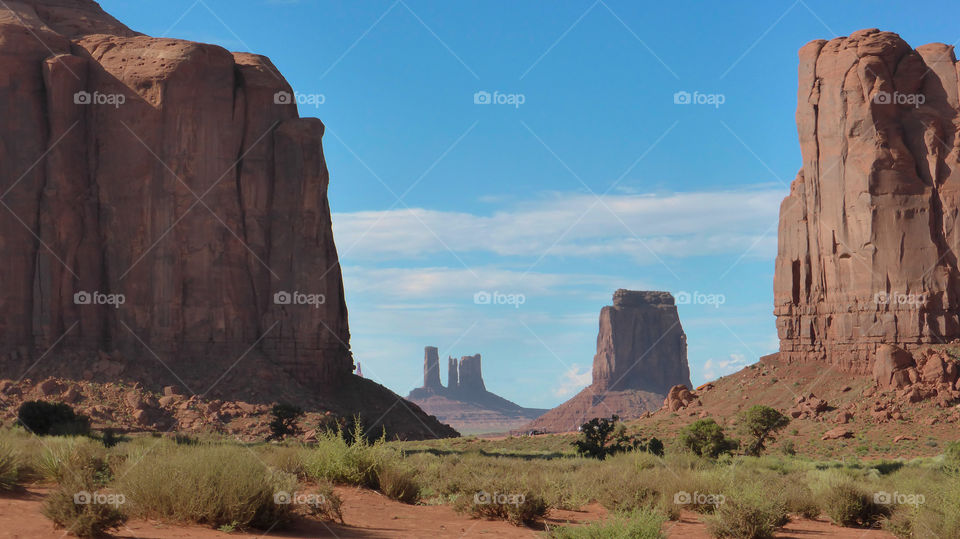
pixel 837 433
pixel 678 398
pixel 890 367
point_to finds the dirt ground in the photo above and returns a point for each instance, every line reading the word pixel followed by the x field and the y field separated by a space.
pixel 368 514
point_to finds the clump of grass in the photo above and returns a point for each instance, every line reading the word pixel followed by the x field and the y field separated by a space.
pixel 330 506
pixel 639 524
pixel 9 467
pixel 398 483
pixel 80 505
pixel 518 506
pixel 215 485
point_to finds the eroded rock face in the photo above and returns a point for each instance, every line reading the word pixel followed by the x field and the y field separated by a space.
pixel 641 360
pixel 867 239
pixel 641 344
pixel 431 367
pixel 167 172
pixel 471 375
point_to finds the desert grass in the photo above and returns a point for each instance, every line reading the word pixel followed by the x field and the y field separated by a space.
pixel 638 524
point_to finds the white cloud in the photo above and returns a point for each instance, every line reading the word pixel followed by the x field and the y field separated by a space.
pixel 571 224
pixel 573 380
pixel 715 368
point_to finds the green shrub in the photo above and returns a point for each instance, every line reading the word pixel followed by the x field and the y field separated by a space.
pixel 47 418
pixel 640 524
pixel 748 513
pixel 206 484
pixel 601 437
pixel 333 459
pixel 9 467
pixel 706 439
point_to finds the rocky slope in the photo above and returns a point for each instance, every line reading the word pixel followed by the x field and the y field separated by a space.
pixel 164 217
pixel 867 239
pixel 641 354
pixel 465 404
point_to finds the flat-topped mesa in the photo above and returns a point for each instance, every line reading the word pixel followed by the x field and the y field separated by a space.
pixel 641 344
pixel 471 376
pixel 431 367
pixel 867 237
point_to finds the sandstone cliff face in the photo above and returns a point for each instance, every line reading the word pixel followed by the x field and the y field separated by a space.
pixel 868 235
pixel 163 170
pixel 641 344
pixel 641 355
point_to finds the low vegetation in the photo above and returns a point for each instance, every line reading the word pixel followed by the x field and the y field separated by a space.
pixel 232 486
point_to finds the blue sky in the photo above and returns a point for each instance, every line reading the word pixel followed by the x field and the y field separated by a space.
pixel 596 181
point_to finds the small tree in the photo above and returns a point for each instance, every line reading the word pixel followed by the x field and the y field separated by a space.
pixel 284 422
pixel 601 437
pixel 706 439
pixel 761 424
pixel 49 418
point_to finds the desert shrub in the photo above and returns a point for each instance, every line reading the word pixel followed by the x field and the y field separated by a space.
pixel 215 485
pixel 951 456
pixel 80 504
pixel 288 459
pixel 706 439
pixel 848 503
pixel 284 421
pixel 799 499
pixel 503 502
pixel 330 507
pixel 939 513
pixel 398 482
pixel 639 524
pixel 110 438
pixel 748 512
pixel 47 418
pixel 761 424
pixel 618 488
pixel 601 437
pixel 334 459
pixel 9 467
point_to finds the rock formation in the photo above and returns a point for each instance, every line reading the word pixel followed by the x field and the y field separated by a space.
pixel 465 402
pixel 868 235
pixel 164 211
pixel 431 367
pixel 641 355
pixel 639 343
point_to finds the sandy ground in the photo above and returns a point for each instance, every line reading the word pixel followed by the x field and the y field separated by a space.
pixel 370 515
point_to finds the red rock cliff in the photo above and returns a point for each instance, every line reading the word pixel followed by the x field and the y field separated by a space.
pixel 169 172
pixel 868 235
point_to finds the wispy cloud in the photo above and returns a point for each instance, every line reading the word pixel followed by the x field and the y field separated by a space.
pixel 715 368
pixel 574 379
pixel 671 225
